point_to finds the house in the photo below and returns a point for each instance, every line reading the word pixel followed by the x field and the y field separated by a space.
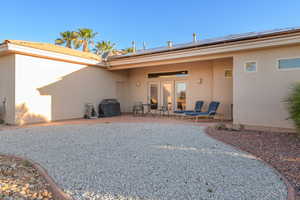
pixel 250 74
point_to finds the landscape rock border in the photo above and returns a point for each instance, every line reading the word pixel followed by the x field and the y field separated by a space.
pixel 291 195
pixel 57 192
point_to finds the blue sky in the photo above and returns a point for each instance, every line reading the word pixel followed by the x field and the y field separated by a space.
pixel 152 21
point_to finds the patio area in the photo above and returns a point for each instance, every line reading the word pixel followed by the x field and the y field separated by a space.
pixel 142 158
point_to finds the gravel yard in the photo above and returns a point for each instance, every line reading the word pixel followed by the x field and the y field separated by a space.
pixel 281 150
pixel 143 161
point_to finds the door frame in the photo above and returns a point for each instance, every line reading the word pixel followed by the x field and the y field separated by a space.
pixel 159 84
pixel 158 92
pixel 175 92
pixel 172 92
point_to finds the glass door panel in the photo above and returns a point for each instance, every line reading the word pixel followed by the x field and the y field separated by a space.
pixel 153 94
pixel 180 95
pixel 167 94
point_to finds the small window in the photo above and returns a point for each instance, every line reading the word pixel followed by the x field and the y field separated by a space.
pixel 250 67
pixel 289 63
pixel 228 73
pixel 168 74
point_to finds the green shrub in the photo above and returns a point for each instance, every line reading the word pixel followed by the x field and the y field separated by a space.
pixel 293 103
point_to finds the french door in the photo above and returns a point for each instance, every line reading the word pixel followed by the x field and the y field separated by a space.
pixel 153 95
pixel 180 95
pixel 171 94
pixel 167 94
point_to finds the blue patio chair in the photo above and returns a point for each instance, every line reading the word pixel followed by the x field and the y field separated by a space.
pixel 198 108
pixel 210 113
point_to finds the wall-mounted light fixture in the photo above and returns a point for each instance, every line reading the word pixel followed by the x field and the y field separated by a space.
pixel 138 84
pixel 200 81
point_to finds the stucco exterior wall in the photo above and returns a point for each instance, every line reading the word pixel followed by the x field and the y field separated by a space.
pixel 214 85
pixel 53 90
pixel 258 96
pixel 222 86
pixel 7 78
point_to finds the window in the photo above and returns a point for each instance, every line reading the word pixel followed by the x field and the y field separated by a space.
pixel 168 74
pixel 228 73
pixel 293 63
pixel 250 67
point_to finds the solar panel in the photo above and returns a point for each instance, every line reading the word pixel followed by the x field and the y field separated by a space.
pixel 209 41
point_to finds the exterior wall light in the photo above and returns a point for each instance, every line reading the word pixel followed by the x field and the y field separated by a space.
pixel 200 81
pixel 138 84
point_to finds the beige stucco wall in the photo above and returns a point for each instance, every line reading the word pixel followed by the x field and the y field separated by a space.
pixel 214 85
pixel 222 86
pixel 7 87
pixel 259 96
pixel 54 90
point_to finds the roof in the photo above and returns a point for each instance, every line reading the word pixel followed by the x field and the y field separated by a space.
pixel 212 41
pixel 54 48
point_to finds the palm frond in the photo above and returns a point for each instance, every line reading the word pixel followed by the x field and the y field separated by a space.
pixel 59 41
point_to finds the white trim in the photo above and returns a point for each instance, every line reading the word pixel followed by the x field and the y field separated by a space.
pixel 250 61
pixel 286 58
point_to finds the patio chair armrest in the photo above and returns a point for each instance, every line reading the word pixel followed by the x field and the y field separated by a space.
pixel 212 113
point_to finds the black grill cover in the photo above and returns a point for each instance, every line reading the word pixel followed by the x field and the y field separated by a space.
pixel 109 108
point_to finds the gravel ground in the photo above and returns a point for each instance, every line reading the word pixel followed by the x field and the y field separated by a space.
pixel 143 161
pixel 281 150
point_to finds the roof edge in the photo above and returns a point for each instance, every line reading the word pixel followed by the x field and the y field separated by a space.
pixel 11 48
pixel 54 48
pixel 255 35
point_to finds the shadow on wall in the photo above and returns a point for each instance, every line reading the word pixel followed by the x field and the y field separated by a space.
pixel 23 115
pixel 71 92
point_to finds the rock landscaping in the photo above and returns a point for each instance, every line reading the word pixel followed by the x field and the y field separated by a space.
pixel 281 150
pixel 20 181
pixel 143 161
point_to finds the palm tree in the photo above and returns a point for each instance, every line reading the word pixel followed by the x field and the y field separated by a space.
pixel 67 38
pixel 128 50
pixel 85 38
pixel 103 46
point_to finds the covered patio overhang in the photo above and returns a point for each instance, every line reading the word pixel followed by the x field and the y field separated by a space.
pixel 208 66
pixel 180 83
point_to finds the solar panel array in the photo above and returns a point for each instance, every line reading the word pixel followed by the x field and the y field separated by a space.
pixel 210 41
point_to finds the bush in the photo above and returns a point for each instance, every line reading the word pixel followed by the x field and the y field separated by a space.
pixel 293 104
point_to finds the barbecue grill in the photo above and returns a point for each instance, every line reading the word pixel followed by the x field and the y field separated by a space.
pixel 109 108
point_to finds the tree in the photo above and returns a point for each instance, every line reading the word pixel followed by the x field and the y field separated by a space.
pixel 128 50
pixel 103 46
pixel 85 38
pixel 67 38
